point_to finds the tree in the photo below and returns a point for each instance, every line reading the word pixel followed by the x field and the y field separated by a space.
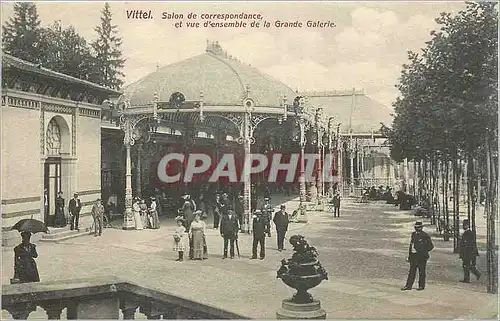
pixel 69 53
pixel 447 110
pixel 22 33
pixel 109 61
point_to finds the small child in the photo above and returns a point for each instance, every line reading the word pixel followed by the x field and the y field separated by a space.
pixel 179 236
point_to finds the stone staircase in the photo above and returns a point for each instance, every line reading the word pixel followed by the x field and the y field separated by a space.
pixel 61 234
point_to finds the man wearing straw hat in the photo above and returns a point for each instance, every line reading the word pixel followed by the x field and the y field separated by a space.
pixel 98 215
pixel 418 254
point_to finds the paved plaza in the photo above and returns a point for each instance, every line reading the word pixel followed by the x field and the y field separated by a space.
pixel 363 252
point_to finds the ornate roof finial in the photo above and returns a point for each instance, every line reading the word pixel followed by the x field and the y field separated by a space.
pixel 207 49
pixel 248 90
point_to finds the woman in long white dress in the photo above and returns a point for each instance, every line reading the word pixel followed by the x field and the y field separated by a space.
pixel 197 235
pixel 137 214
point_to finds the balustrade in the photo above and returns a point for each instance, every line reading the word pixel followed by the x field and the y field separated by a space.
pixel 102 298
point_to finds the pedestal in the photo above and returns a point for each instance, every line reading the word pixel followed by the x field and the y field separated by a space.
pixel 296 311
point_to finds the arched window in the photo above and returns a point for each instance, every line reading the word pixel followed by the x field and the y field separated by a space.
pixel 53 138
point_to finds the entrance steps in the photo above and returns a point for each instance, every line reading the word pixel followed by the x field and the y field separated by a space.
pixel 62 234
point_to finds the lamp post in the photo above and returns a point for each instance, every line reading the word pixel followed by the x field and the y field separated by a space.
pixel 319 178
pixel 330 155
pixel 129 123
pixel 298 106
pixel 351 158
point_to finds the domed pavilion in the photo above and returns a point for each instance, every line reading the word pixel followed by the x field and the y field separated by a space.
pixel 215 104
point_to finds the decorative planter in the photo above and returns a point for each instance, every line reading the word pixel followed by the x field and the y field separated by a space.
pixel 303 271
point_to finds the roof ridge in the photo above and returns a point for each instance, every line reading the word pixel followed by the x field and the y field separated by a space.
pixel 56 73
pixel 210 54
pixel 333 93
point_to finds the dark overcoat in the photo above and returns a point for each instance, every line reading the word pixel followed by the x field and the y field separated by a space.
pixel 25 268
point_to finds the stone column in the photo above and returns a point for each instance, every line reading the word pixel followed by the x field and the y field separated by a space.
pixel 362 168
pixel 247 188
pixel 138 174
pixel 340 165
pixel 128 220
pixel 302 178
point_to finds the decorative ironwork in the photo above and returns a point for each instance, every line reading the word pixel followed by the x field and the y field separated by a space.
pixel 73 131
pixel 53 138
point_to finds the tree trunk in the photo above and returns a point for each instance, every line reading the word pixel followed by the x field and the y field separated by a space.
pixel 445 195
pixel 491 207
pixel 456 201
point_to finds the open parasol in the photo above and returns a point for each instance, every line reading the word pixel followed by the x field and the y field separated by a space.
pixel 30 225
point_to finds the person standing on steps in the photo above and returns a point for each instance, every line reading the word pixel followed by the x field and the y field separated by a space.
pixel 468 252
pixel 75 207
pixel 281 222
pixel 59 217
pixel 260 229
pixel 418 254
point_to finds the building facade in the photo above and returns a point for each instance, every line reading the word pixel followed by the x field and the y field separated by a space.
pixel 50 140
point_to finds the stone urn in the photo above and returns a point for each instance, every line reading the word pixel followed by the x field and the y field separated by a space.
pixel 302 272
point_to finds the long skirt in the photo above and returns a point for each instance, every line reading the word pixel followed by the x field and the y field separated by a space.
pixel 144 219
pixel 197 244
pixel 138 221
pixel 155 220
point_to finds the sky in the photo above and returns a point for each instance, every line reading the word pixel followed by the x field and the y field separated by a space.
pixel 366 49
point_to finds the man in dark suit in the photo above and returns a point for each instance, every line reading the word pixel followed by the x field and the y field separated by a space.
pixel 418 254
pixel 336 205
pixel 74 211
pixel 468 252
pixel 281 222
pixel 229 228
pixel 260 229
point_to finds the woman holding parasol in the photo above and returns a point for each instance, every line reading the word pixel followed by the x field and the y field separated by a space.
pixel 25 269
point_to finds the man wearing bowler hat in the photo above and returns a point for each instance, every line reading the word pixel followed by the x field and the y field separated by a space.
pixel 75 207
pixel 281 222
pixel 468 252
pixel 418 254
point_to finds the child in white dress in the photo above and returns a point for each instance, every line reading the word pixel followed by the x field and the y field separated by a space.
pixel 179 238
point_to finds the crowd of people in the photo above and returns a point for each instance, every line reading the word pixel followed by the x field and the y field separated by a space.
pixel 190 233
pixel 145 214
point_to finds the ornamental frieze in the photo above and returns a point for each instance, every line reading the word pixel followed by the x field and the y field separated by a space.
pixel 21 102
pixel 92 113
pixel 56 108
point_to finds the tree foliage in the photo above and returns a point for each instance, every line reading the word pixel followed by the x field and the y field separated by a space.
pixel 63 49
pixel 449 91
pixel 109 61
pixel 69 52
pixel 22 33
